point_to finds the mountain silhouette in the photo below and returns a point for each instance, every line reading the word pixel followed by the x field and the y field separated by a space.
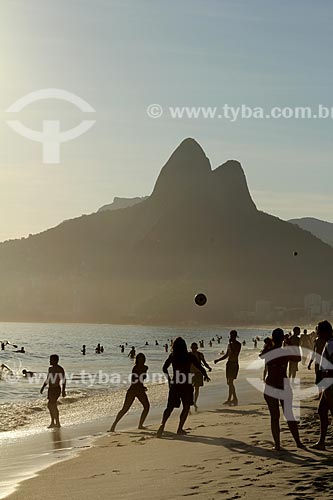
pixel 322 229
pixel 122 203
pixel 199 231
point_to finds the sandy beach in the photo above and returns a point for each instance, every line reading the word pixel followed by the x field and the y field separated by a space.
pixel 227 454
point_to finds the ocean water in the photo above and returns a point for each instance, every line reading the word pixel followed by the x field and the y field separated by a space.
pixel 96 382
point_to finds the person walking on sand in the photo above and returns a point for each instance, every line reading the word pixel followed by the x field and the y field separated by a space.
pixel 278 389
pixel 197 380
pixel 294 341
pixel 136 390
pixel 180 385
pixel 232 366
pixel 325 329
pixel 56 380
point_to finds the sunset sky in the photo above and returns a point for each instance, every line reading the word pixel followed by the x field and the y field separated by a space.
pixel 120 56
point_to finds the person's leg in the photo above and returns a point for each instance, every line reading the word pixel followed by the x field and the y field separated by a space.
pixel 146 406
pixel 287 407
pixel 196 395
pixel 229 382
pixel 182 418
pixel 273 406
pixel 323 410
pixel 126 406
pixel 50 406
pixel 234 399
pixel 166 414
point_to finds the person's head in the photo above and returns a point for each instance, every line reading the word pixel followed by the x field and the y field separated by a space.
pixel 324 330
pixel 24 372
pixel 296 330
pixel 278 337
pixel 179 347
pixel 305 331
pixel 140 359
pixel 54 359
pixel 268 341
pixel 233 335
pixel 194 346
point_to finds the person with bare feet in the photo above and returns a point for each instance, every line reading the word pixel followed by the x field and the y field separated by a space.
pixel 278 389
pixel 232 366
pixel 197 380
pixel 324 329
pixel 136 390
pixel 56 380
pixel 180 385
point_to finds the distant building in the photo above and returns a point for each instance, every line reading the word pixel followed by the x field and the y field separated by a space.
pixel 313 304
pixel 326 308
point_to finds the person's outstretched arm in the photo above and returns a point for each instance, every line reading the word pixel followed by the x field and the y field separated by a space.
pixel 204 362
pixel 199 366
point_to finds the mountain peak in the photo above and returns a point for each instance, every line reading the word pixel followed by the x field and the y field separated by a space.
pixel 185 170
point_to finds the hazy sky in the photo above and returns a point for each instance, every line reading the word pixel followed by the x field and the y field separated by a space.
pixel 120 56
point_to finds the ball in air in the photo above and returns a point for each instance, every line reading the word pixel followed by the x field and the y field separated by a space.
pixel 200 299
pixel 295 253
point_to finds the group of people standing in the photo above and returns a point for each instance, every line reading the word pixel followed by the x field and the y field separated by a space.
pixel 189 372
pixel 278 354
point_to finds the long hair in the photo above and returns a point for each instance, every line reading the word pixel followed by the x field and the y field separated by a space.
pixel 179 348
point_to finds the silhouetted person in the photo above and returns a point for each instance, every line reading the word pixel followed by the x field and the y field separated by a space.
pixel 324 328
pixel 122 349
pixel 180 385
pixel 98 349
pixel 166 347
pixel 156 342
pixel 277 359
pixel 27 374
pixel 22 350
pixel 318 347
pixel 132 353
pixel 306 344
pixel 197 380
pixel 56 380
pixel 4 367
pixel 294 340
pixel 83 350
pixel 102 348
pixel 136 390
pixel 232 366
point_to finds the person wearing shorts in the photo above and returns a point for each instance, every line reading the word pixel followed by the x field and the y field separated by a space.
pixel 180 385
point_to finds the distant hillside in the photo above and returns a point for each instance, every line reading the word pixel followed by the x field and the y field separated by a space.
pixel 122 203
pixel 323 230
pixel 199 230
